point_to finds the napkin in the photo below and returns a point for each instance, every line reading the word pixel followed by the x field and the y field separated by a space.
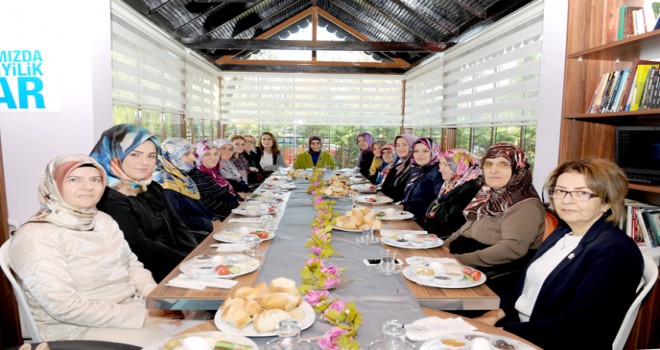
pixel 434 326
pixel 388 233
pixel 232 247
pixel 417 260
pixel 189 282
pixel 245 220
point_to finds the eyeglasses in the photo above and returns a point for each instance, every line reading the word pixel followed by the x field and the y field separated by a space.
pixel 498 165
pixel 577 195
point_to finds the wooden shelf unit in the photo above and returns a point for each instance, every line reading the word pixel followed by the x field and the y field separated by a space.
pixel 588 56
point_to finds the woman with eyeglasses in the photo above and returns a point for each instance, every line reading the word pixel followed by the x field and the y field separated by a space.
pixel 584 277
pixel 387 156
pixel 251 153
pixel 505 219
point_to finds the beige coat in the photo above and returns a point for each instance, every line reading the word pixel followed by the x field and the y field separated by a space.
pixel 83 284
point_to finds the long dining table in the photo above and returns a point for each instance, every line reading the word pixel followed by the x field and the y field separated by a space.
pixel 378 297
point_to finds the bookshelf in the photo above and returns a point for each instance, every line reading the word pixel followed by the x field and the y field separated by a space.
pixel 591 52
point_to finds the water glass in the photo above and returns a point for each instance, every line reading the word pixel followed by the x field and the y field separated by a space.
pixel 253 242
pixel 266 222
pixel 367 237
pixel 388 262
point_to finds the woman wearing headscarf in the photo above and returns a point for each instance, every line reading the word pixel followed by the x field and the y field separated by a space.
pixel 177 161
pixel 387 156
pixel 216 192
pixel 315 157
pixel 82 280
pixel 394 183
pixel 129 153
pixel 462 180
pixel 505 219
pixel 228 168
pixel 364 142
pixel 425 180
pixel 377 162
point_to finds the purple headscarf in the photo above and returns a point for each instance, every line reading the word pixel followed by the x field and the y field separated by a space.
pixel 370 140
pixel 201 148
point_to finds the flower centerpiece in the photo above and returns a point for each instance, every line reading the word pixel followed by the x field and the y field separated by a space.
pixel 343 316
pixel 315 181
pixel 316 275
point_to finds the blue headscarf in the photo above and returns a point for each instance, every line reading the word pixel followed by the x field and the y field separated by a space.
pixel 173 175
pixel 111 150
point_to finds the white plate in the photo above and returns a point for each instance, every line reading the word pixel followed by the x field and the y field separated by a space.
pixel 409 273
pixel 374 199
pixel 248 331
pixel 262 197
pixel 245 212
pixel 344 229
pixel 210 337
pixel 398 215
pixel 203 266
pixel 468 337
pixel 365 188
pixel 413 241
pixel 232 235
pixel 283 186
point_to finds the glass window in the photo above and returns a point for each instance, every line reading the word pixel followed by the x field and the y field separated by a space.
pixel 124 115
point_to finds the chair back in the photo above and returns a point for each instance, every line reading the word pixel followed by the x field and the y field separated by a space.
pixel 648 281
pixel 18 292
pixel 551 223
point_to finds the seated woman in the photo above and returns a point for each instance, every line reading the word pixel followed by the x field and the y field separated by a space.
pixel 228 169
pixel 364 142
pixel 584 277
pixel 251 153
pixel 462 180
pixel 425 181
pixel 394 184
pixel 128 153
pixel 82 280
pixel 505 219
pixel 239 159
pixel 315 157
pixel 377 162
pixel 215 191
pixel 177 161
pixel 387 156
pixel 271 157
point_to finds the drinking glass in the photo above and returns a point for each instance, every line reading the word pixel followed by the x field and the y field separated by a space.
pixel 266 222
pixel 367 237
pixel 388 262
pixel 253 242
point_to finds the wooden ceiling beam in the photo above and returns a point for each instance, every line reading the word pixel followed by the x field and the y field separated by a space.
pixel 271 44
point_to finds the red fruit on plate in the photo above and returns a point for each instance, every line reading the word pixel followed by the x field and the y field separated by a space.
pixel 371 200
pixel 222 270
pixel 474 274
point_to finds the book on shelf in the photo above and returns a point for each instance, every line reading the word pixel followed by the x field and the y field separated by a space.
pixel 637 223
pixel 651 10
pixel 626 27
pixel 642 69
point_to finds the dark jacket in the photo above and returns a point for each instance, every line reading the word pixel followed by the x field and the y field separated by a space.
pixel 365 164
pixel 395 191
pixel 449 215
pixel 153 231
pixel 216 198
pixel 584 299
pixel 423 191
pixel 192 212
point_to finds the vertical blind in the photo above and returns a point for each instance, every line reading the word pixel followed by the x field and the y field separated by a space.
pixel 314 99
pixel 152 71
pixel 490 80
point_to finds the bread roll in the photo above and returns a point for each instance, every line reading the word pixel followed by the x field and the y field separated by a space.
pixel 259 290
pixel 357 220
pixel 268 320
pixel 298 314
pixel 236 316
pixel 370 217
pixel 243 292
pixel 284 285
pixel 239 302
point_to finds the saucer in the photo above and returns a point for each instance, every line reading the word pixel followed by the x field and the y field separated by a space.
pixel 397 270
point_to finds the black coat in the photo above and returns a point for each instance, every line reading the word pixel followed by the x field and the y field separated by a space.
pixel 216 198
pixel 395 191
pixel 582 302
pixel 153 231
pixel 423 191
pixel 449 216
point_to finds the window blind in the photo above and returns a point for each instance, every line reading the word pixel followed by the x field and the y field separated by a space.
pixel 321 99
pixel 152 71
pixel 490 80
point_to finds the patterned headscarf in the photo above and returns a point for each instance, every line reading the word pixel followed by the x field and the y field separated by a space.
pixel 403 164
pixel 370 140
pixel 386 167
pixel 54 209
pixel 493 202
pixel 463 167
pixel 173 175
pixel 111 150
pixel 227 167
pixel 201 148
pixel 435 151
